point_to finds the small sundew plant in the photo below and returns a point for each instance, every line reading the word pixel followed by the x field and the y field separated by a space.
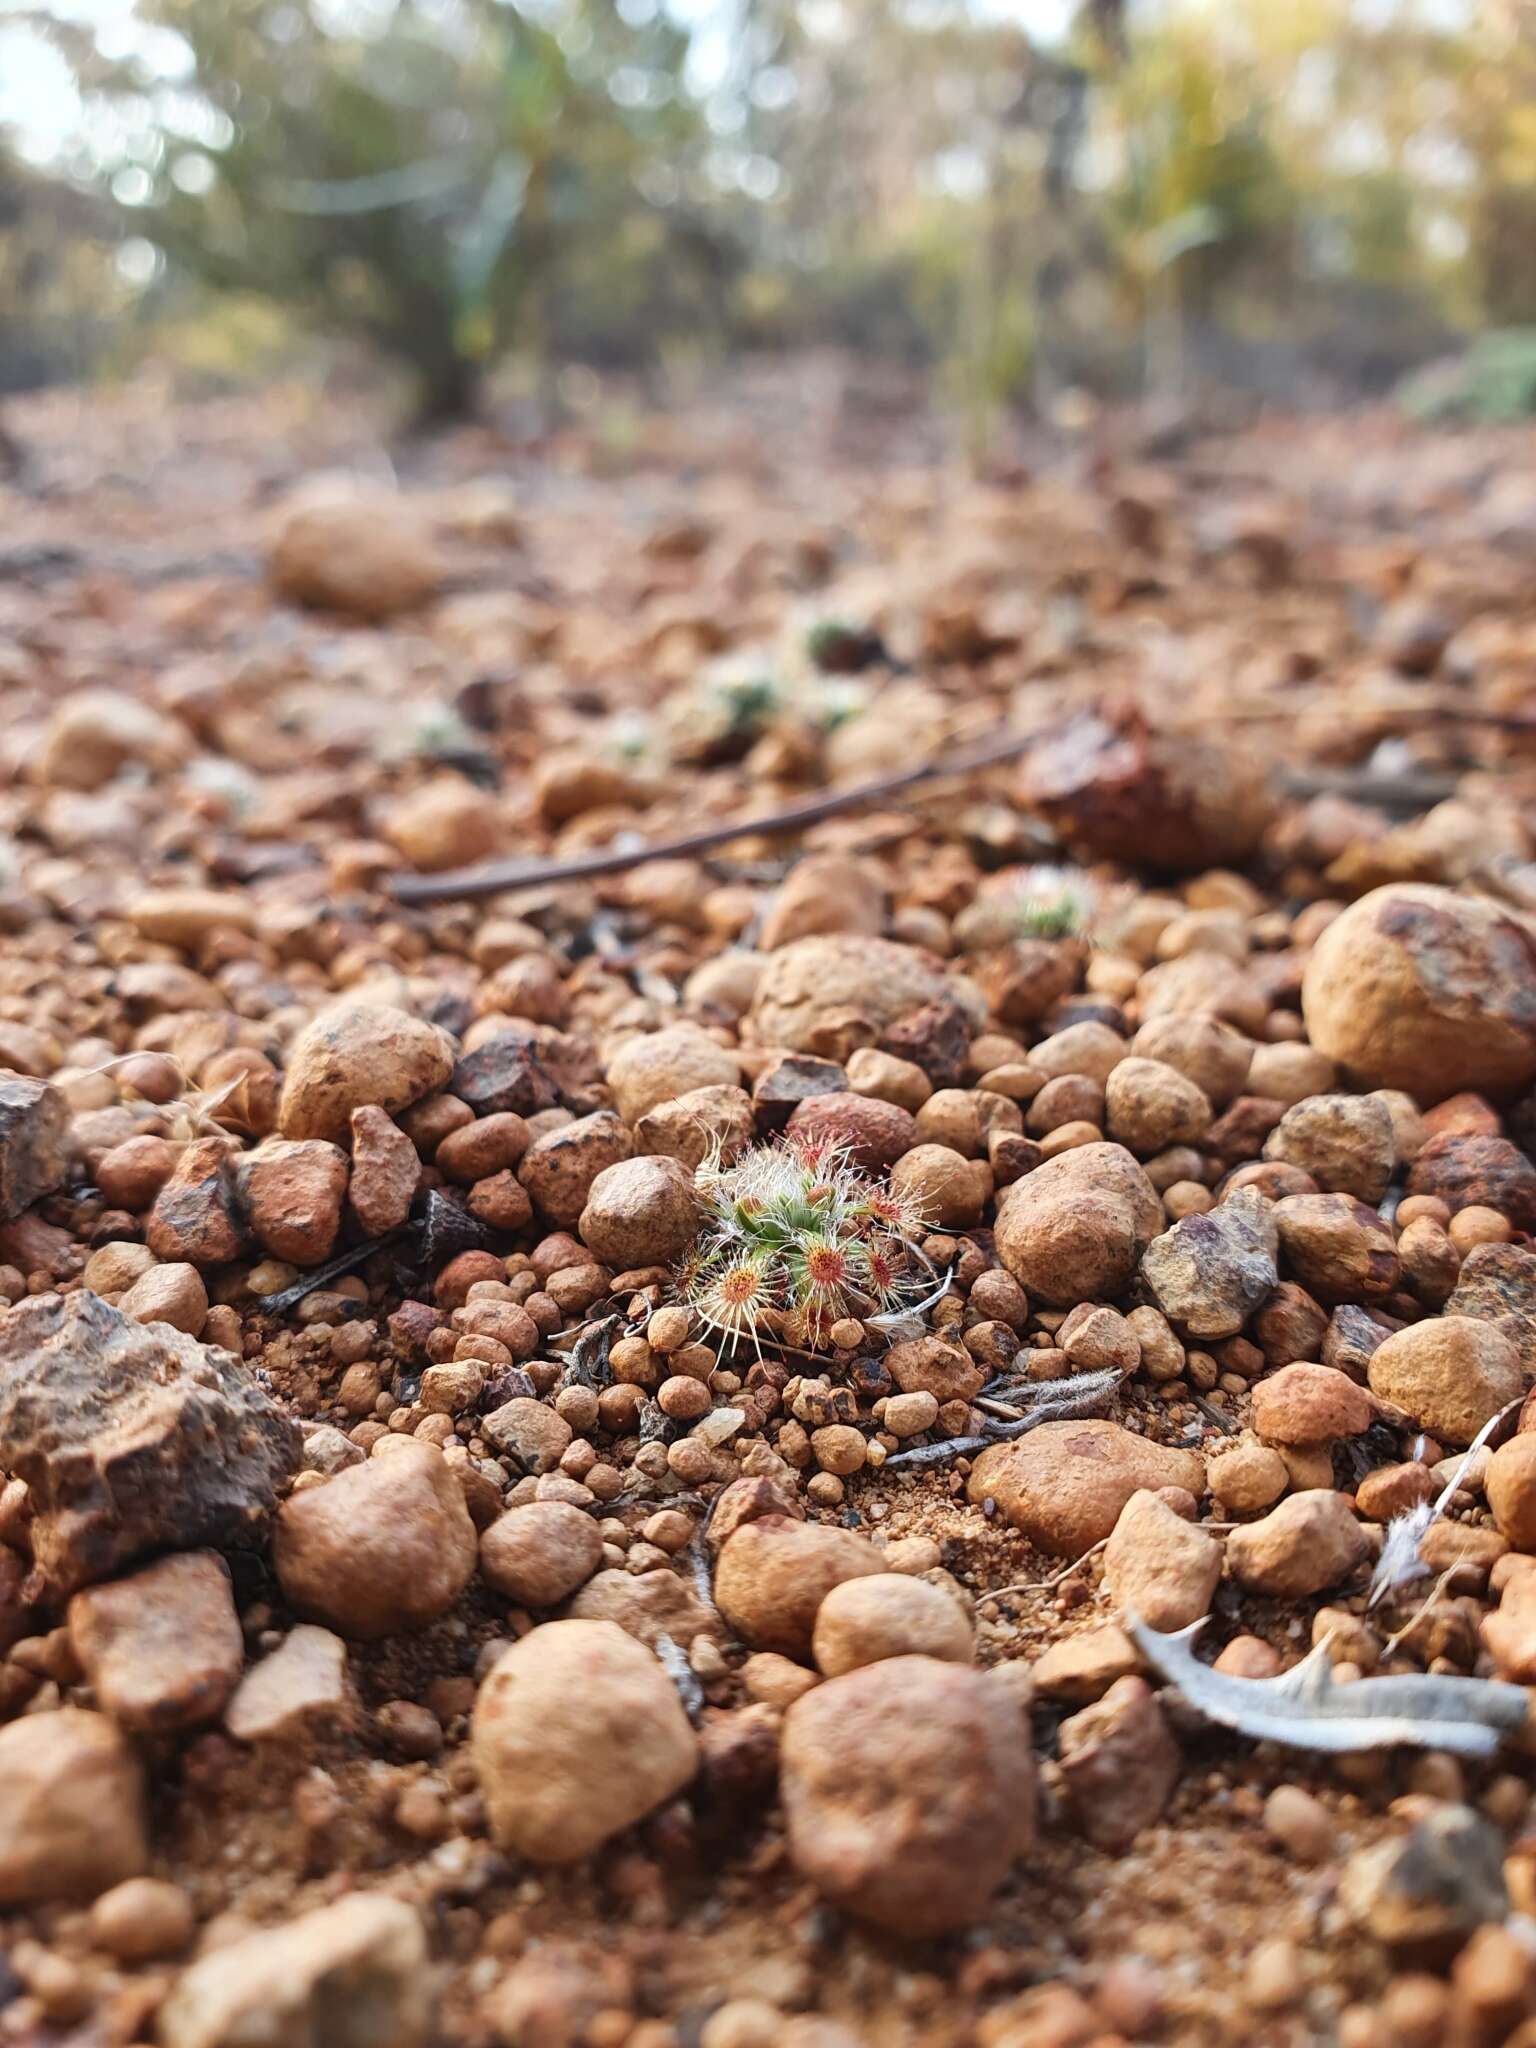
pixel 795 1234
pixel 1053 903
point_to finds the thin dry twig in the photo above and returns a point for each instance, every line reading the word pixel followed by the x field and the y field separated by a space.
pixel 1067 1571
pixel 1044 1585
pixel 1421 1610
pixel 493 876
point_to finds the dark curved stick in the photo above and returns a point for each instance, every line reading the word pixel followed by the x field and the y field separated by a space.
pixel 493 876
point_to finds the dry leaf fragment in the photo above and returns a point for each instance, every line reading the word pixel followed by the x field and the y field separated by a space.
pixel 1307 1708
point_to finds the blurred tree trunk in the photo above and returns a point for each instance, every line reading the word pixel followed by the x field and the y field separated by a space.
pixel 450 391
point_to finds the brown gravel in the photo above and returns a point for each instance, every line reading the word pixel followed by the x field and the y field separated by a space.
pixel 465 1643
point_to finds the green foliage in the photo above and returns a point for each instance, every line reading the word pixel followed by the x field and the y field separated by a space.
pixel 1054 903
pixel 418 176
pixel 453 179
pixel 58 294
pixel 1059 917
pixel 1203 198
pixel 1494 383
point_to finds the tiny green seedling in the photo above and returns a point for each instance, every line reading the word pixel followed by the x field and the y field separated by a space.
pixel 1053 903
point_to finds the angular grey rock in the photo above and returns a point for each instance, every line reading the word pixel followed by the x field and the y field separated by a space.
pixel 300 1690
pixel 1119 1765
pixel 34 1125
pixel 1497 1284
pixel 132 1438
pixel 1433 1885
pixel 352 1975
pixel 503 1073
pixel 1209 1273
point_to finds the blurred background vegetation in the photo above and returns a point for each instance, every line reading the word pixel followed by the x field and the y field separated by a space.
pixel 1024 198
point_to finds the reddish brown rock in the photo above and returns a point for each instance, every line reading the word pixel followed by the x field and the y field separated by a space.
pixel 490 1144
pixel 1510 1632
pixel 71 1808
pixel 382 1547
pixel 501 1203
pixel 349 549
pixel 293 1190
pixel 1477 1172
pixel 15 1620
pixel 1308 1404
pixel 1149 1105
pixel 385 1171
pixel 950 1191
pixel 654 1605
pixel 558 1169
pixel 1076 1228
pixel 824 892
pixel 1023 982
pixel 1394 1489
pixel 505 1073
pixel 791 1079
pixel 1211 1054
pixel 354 1053
pixel 1065 1483
pixel 578 1733
pixel 937 1035
pixel 1290 1326
pixel 1451 1374
pixel 655 1066
pixel 1115 789
pixel 831 993
pixel 1497 1283
pixel 908 1791
pixel 445 823
pixel 773 1573
pixel 1338 1249
pixel 168 1294
pixel 1510 1484
pixel 1309 1542
pixel 1240 1131
pixel 131 1174
pixel 1082 1667
pixel 875 1134
pixel 748 1500
pixel 640 1212
pixel 1419 988
pixel 929 1365
pixel 1468 1115
pixel 1354 1334
pixel 161 1648
pixel 1119 1765
pixel 1345 1142
pixel 540 1553
pixel 706 1123
pixel 197 1219
pixel 1160 1567
pixel 889 1614
pixel 1209 1272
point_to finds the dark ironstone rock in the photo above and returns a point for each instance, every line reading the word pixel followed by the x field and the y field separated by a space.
pixel 132 1438
pixel 34 1121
